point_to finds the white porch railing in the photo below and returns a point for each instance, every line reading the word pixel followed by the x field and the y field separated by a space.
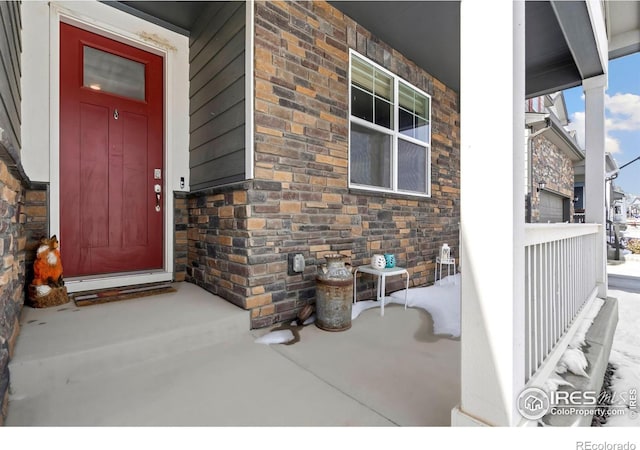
pixel 560 266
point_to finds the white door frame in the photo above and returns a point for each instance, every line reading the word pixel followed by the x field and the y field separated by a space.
pixel 114 24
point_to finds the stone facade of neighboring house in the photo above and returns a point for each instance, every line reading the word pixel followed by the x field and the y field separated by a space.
pixel 552 159
pixel 242 236
pixel 555 168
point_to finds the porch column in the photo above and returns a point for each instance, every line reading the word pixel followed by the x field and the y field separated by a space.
pixel 492 248
pixel 594 170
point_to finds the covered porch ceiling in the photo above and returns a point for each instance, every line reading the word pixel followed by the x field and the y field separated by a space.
pixel 560 44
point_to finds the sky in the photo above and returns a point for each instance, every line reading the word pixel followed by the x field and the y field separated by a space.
pixel 622 103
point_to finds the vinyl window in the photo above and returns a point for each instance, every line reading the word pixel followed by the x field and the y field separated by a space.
pixel 390 131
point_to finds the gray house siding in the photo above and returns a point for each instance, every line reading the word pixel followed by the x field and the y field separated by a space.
pixel 10 49
pixel 217 96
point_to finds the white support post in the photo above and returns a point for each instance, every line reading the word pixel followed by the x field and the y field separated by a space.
pixel 594 170
pixel 492 340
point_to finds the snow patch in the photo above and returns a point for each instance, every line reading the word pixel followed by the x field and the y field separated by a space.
pixel 310 319
pixel 276 337
pixel 555 381
pixel 580 336
pixel 441 301
pixel 358 307
pixel 574 361
pixel 625 357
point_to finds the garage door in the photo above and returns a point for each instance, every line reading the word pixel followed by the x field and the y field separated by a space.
pixel 552 208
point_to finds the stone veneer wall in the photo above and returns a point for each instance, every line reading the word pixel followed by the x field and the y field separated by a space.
pixel 36 208
pixel 550 164
pixel 180 221
pixel 299 202
pixel 12 273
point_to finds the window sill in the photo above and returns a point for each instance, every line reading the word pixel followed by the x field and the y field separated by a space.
pixel 387 194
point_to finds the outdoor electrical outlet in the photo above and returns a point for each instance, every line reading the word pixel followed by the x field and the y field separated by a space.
pixel 298 263
pixel 295 263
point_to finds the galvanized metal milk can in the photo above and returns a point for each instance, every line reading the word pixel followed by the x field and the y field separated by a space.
pixel 334 294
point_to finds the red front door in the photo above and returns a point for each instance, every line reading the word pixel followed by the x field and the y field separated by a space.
pixel 111 153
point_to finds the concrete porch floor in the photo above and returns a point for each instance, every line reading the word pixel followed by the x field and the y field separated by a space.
pixel 188 359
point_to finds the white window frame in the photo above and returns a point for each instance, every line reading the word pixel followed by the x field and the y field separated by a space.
pixel 394 133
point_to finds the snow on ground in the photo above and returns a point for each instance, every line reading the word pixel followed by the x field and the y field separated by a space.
pixel 573 359
pixel 632 232
pixel 625 351
pixel 625 355
pixel 276 337
pixel 441 301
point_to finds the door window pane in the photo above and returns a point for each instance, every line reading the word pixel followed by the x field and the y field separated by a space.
pixel 370 157
pixel 412 166
pixel 103 71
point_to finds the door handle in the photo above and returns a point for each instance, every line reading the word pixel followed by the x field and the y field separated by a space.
pixel 158 189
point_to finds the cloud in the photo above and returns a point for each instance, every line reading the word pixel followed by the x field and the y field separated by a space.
pixel 623 112
pixel 577 124
pixel 611 144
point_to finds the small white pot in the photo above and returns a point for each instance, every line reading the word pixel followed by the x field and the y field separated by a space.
pixel 378 261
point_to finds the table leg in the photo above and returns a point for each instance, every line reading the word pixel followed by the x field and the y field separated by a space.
pixel 381 291
pixel 354 285
pixel 406 291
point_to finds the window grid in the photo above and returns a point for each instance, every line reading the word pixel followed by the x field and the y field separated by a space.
pixel 395 132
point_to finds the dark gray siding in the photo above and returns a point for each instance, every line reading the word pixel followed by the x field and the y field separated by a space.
pixel 217 96
pixel 10 50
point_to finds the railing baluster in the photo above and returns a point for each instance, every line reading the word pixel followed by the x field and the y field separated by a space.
pixel 527 309
pixel 559 278
pixel 538 306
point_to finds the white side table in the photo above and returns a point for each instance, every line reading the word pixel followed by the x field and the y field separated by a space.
pixel 444 262
pixel 382 275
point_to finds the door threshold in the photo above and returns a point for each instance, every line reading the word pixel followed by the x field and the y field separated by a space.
pixel 97 282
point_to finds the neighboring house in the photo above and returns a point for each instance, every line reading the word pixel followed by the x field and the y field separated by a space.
pixel 618 205
pixel 633 206
pixel 611 171
pixel 551 155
